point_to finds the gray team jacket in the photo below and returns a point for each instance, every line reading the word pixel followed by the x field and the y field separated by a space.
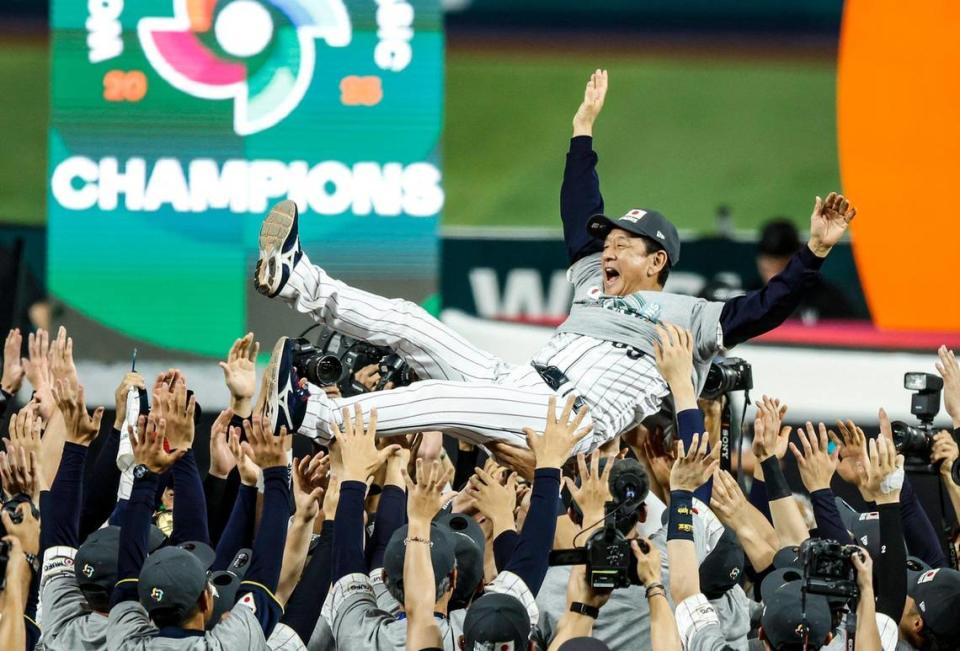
pixel 632 319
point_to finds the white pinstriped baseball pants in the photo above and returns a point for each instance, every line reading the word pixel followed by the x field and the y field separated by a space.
pixel 464 391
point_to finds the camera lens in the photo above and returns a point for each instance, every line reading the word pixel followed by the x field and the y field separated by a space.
pixel 724 376
pixel 910 441
pixel 323 370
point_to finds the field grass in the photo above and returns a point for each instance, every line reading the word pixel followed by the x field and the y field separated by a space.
pixel 24 111
pixel 682 134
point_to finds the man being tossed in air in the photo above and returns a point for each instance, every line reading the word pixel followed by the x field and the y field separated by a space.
pixel 602 353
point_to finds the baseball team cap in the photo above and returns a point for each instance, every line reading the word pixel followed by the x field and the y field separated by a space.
pixel 95 564
pixel 915 567
pixel 783 617
pixel 937 593
pixel 496 621
pixel 468 544
pixel 777 578
pixel 788 557
pixel 722 567
pixel 172 579
pixel 648 223
pixel 442 556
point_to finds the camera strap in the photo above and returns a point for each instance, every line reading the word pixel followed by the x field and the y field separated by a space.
pixel 726 445
pixel 851 630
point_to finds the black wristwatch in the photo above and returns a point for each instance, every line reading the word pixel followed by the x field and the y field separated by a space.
pixel 140 471
pixel 583 609
pixel 33 562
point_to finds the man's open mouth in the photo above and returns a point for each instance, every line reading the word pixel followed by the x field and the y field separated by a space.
pixel 610 275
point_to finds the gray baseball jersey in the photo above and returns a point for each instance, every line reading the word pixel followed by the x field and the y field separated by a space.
pixel 130 629
pixel 604 349
pixel 66 620
pixel 632 320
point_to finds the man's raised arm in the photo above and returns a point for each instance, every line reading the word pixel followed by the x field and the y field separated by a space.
pixel 757 312
pixel 580 196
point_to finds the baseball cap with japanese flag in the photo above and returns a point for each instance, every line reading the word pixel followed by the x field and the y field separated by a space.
pixel 647 223
pixel 937 594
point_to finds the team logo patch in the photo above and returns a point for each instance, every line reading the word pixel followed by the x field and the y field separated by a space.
pixel 259 53
pixel 248 601
pixel 87 570
pixel 928 576
pixel 156 594
pixel 634 216
pixel 734 573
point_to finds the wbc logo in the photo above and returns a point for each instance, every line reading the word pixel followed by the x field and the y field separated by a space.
pixel 259 53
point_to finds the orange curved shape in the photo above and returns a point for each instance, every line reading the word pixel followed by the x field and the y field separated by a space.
pixel 898 118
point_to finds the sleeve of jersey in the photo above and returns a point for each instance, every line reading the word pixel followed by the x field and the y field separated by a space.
pixel 134 538
pixel 891 574
pixel 829 523
pixel 391 515
pixel 762 310
pixel 260 582
pixel 580 198
pixel 530 559
pixel 348 543
pixel 920 535
pixel 301 612
pixel 100 492
pixel 503 547
pixel 191 523
pixel 690 422
pixel 60 507
pixel 698 624
pixel 238 533
pixel 216 497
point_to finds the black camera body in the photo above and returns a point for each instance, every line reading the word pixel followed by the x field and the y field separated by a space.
pixel 726 375
pixel 335 358
pixel 828 570
pixel 394 369
pixel 607 555
pixel 915 442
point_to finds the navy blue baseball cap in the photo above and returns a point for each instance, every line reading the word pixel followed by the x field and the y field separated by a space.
pixel 648 223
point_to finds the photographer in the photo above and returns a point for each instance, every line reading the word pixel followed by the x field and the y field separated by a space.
pixel 945 451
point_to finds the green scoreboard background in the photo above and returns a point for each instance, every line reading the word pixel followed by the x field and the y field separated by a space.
pixel 175 124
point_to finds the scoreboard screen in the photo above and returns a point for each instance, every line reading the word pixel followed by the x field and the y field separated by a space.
pixel 176 124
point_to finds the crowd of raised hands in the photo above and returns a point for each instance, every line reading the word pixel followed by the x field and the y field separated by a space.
pixel 390 543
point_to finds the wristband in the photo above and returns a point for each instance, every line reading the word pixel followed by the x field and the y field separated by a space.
pixel 583 609
pixel 777 487
pixel 680 526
